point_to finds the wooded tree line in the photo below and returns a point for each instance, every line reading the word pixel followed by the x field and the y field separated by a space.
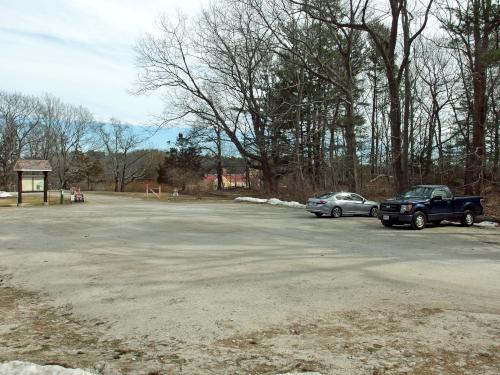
pixel 93 155
pixel 319 94
pixel 78 148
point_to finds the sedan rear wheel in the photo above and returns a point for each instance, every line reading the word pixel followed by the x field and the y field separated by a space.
pixel 336 212
pixel 374 212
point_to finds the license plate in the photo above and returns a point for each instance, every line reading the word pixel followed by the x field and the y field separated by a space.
pixel 385 217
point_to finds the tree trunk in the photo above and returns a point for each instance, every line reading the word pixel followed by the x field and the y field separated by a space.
pixel 299 173
pixel 430 137
pixel 439 143
pixel 496 154
pixel 122 179
pixel 351 159
pixel 373 152
pixel 247 175
pixel 268 177
pixel 407 96
pixel 479 103
pixel 331 146
pixel 220 182
pixel 395 124
pixel 428 149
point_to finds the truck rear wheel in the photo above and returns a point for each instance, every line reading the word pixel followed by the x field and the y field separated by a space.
pixel 418 220
pixel 468 218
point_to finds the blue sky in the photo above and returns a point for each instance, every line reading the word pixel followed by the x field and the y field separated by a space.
pixel 82 51
pixel 161 137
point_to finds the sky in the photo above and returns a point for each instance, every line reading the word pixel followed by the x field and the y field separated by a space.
pixel 82 51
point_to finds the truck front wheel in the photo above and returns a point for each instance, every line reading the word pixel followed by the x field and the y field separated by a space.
pixel 467 219
pixel 418 220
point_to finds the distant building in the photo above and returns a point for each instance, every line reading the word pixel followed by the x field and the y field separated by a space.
pixel 229 180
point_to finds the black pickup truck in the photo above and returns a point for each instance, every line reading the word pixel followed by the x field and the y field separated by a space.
pixel 429 203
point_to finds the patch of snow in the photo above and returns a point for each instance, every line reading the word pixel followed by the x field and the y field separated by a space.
pixel 28 368
pixel 294 204
pixel 273 201
pixel 4 194
pixel 487 224
pixel 250 199
pixel 484 224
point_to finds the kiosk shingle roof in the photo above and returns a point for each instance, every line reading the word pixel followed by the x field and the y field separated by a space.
pixel 33 166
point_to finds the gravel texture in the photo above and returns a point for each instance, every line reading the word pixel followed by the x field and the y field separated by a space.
pixel 238 288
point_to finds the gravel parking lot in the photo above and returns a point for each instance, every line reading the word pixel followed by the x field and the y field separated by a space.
pixel 225 288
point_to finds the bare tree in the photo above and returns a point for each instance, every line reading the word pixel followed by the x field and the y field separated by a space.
pixel 209 139
pixel 19 118
pixel 120 142
pixel 69 136
pixel 222 69
pixel 437 77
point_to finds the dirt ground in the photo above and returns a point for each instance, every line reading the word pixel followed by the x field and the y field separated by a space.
pixel 126 286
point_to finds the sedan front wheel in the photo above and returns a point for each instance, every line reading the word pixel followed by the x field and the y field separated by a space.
pixel 374 212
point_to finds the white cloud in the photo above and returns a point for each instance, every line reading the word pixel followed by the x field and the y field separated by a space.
pixel 81 51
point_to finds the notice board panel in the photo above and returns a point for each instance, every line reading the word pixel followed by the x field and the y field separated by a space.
pixel 32 183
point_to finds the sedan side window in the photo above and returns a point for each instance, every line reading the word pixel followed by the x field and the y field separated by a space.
pixel 344 197
pixel 356 197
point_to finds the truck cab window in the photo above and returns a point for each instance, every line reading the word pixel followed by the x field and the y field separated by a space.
pixel 443 193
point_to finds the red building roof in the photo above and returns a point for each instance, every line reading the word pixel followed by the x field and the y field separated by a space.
pixel 227 176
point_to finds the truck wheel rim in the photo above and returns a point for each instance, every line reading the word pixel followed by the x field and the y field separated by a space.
pixel 469 219
pixel 420 221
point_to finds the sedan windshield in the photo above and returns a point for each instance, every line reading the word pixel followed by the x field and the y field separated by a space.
pixel 418 192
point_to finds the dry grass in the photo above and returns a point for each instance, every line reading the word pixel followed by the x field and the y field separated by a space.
pixel 34 199
pixel 492 203
pixel 167 196
pixel 33 330
pixel 372 342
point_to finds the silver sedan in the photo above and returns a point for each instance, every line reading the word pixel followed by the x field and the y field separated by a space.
pixel 342 203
